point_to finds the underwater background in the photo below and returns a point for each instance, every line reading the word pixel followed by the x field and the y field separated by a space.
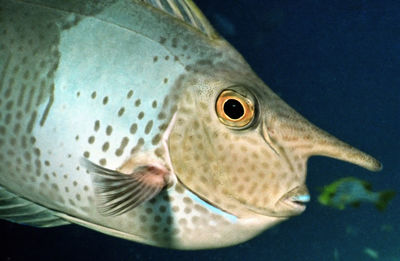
pixel 338 64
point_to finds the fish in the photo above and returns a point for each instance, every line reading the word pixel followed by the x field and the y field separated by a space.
pixel 351 191
pixel 135 118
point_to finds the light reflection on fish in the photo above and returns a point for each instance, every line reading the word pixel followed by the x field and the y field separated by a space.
pixel 136 119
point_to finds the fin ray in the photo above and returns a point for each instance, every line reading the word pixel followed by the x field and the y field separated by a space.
pixel 22 211
pixel 117 193
pixel 186 11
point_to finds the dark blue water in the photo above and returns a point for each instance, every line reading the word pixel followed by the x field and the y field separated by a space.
pixel 336 62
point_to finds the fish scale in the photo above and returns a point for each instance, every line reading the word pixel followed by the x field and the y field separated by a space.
pixel 108 119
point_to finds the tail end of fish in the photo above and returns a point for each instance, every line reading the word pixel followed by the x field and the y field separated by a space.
pixel 384 198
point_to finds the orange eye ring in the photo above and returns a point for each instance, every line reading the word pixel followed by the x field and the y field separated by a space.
pixel 234 110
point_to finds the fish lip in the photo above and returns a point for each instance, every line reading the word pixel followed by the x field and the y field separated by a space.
pixel 295 199
pixel 292 203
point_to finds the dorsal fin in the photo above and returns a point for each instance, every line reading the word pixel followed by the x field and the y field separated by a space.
pixel 186 11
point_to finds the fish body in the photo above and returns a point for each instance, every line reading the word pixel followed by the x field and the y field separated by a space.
pixel 352 191
pixel 136 119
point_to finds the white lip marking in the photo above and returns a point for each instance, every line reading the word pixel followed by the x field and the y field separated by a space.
pixel 301 198
pixel 165 138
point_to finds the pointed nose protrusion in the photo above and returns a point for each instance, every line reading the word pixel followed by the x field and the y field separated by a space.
pixel 290 128
pixel 325 144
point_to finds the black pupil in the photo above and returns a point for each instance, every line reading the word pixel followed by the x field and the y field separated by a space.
pixel 233 109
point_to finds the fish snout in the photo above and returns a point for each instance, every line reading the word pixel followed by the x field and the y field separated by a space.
pixel 294 201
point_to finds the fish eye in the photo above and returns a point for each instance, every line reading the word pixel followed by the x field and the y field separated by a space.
pixel 234 110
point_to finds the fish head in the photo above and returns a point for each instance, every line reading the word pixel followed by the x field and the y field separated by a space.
pixel 238 146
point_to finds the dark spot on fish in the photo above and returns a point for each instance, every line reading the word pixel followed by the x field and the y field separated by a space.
pixel 91 139
pixel 133 128
pixel 13 141
pixel 141 115
pixel 96 125
pixel 105 146
pixel 155 58
pixel 121 112
pixel 205 62
pixel 187 200
pixel 109 130
pixel 122 146
pixel 162 40
pixel 36 151
pixel 9 105
pixel 103 162
pixel 161 116
pixel 174 42
pixel 149 125
pixel 54 186
pixel 156 139
pixel 137 147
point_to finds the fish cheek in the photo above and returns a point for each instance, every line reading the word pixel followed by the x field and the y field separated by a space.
pixel 192 150
pixel 217 164
pixel 229 168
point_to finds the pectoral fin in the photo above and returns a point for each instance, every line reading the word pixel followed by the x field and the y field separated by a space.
pixel 118 193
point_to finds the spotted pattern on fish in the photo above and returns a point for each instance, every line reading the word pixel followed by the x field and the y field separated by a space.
pixel 122 85
pixel 29 60
pixel 39 167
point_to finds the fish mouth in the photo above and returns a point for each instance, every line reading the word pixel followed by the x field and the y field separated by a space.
pixel 295 200
pixel 292 203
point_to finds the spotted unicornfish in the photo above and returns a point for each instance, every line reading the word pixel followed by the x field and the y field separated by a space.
pixel 136 119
